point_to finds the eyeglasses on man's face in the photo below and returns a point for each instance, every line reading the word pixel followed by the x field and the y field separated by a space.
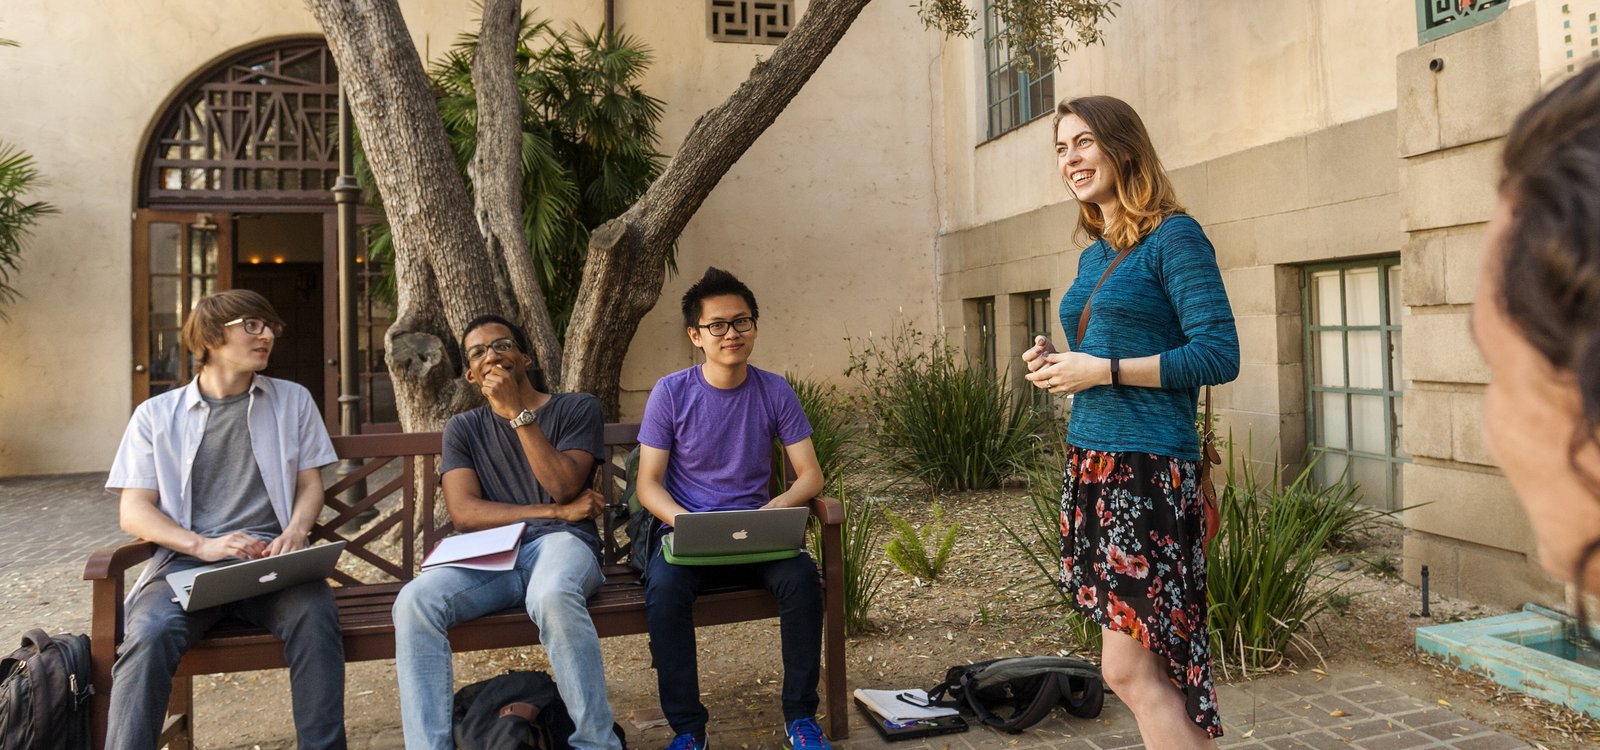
pixel 254 326
pixel 719 328
pixel 501 346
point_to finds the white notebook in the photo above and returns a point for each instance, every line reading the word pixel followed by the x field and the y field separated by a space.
pixel 489 549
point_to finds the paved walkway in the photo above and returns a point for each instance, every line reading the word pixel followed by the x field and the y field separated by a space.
pixel 46 524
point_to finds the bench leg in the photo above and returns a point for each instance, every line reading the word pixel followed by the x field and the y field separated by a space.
pixel 838 695
pixel 177 733
pixel 100 708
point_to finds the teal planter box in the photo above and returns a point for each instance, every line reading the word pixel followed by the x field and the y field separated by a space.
pixel 1527 651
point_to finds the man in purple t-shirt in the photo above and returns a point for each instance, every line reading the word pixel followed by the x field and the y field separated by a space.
pixel 706 444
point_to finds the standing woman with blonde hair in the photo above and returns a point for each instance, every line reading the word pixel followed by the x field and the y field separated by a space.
pixel 1148 323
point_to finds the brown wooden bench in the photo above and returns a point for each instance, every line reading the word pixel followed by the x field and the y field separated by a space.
pixel 364 605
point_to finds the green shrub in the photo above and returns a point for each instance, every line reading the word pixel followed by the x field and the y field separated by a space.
pixel 863 576
pixel 908 550
pixel 938 416
pixel 1039 541
pixel 834 431
pixel 1264 567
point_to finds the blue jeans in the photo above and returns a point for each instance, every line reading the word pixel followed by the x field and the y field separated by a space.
pixel 554 578
pixel 159 632
pixel 669 594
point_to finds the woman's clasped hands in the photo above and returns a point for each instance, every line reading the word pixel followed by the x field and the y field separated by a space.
pixel 1063 372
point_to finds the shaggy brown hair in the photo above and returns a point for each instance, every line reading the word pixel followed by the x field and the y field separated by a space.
pixel 1142 186
pixel 204 328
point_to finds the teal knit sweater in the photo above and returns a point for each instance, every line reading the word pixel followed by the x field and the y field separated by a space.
pixel 1166 298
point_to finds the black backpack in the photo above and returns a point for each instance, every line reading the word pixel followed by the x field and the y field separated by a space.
pixel 515 711
pixel 44 693
pixel 1029 685
pixel 641 525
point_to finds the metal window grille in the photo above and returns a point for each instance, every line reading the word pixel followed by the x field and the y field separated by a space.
pixel 982 311
pixel 260 127
pixel 1353 382
pixel 1016 95
pixel 749 21
pixel 1440 18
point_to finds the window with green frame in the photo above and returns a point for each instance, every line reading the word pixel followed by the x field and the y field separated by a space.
pixel 1016 94
pixel 1353 385
pixel 980 316
pixel 1040 312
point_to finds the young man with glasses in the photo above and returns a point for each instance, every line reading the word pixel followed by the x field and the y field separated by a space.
pixel 525 456
pixel 706 444
pixel 225 467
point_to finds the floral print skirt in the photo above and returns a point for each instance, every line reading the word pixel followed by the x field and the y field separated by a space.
pixel 1133 561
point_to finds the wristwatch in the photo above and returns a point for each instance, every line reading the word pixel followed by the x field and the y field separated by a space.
pixel 527 417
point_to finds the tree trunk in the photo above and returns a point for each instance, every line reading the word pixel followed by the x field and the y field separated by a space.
pixel 627 256
pixel 443 271
pixel 497 178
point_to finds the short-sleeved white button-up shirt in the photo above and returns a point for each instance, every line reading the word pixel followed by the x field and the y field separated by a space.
pixel 158 449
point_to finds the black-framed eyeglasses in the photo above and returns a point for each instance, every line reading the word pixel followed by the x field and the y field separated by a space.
pixel 254 326
pixel 719 328
pixel 501 346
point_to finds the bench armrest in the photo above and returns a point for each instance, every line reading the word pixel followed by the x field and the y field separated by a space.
pixel 829 512
pixel 107 563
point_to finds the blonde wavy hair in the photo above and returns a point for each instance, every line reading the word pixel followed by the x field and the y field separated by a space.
pixel 1141 183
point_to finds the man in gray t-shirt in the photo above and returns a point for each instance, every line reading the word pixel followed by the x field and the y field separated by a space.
pixel 227 466
pixel 525 456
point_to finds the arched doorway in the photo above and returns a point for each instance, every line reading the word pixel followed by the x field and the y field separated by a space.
pixel 234 193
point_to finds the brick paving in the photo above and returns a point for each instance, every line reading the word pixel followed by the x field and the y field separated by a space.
pixel 51 520
pixel 47 523
pixel 1281 712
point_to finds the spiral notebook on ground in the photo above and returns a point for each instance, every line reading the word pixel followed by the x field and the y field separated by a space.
pixel 211 585
pixel 729 537
pixel 906 714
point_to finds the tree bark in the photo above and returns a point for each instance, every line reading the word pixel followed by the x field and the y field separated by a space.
pixel 447 274
pixel 443 270
pixel 627 256
pixel 497 178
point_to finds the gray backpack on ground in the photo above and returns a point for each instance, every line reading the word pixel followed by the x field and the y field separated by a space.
pixel 1029 685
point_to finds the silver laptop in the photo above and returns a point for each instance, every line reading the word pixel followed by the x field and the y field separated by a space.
pixel 230 581
pixel 735 532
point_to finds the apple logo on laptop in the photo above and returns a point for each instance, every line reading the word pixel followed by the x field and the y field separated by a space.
pixel 741 534
pixel 269 578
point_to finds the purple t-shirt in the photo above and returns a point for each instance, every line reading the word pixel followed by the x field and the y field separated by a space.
pixel 720 441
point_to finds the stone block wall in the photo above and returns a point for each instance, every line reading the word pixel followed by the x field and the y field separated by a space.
pixel 1458 96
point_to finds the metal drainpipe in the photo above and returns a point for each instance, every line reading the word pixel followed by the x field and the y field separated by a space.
pixel 611 20
pixel 346 193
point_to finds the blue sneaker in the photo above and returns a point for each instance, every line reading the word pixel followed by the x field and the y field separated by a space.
pixel 688 741
pixel 806 734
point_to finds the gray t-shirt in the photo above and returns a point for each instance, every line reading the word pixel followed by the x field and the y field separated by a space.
pixel 229 494
pixel 483 442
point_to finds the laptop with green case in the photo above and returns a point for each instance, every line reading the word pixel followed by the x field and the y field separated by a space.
pixel 735 537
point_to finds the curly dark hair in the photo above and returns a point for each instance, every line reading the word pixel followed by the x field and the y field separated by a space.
pixel 1550 263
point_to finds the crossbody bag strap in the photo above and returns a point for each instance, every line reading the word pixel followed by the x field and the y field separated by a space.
pixel 1208 444
pixel 1083 318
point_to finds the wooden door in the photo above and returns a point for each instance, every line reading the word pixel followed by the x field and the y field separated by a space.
pixel 178 257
